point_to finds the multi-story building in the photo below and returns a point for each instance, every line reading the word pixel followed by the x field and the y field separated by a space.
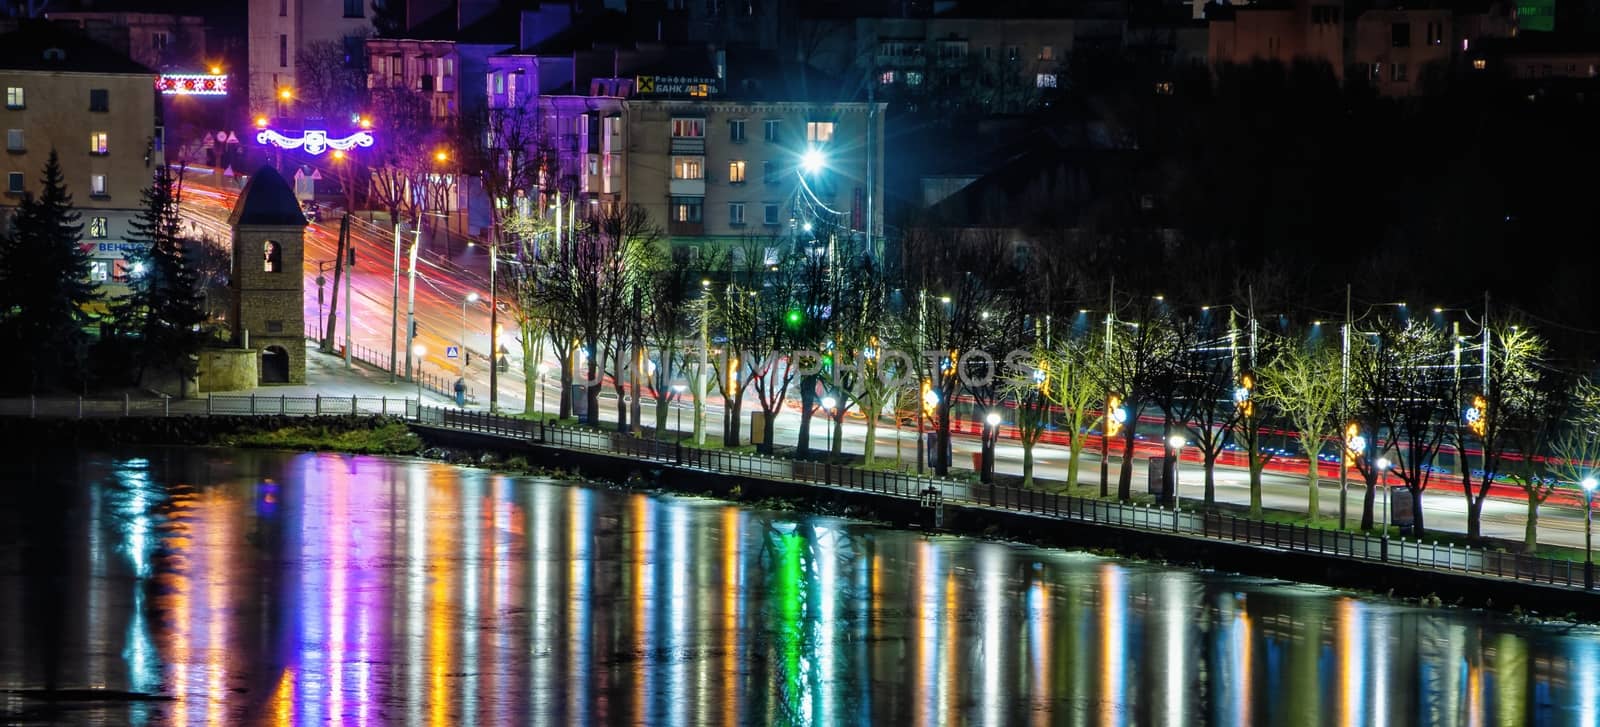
pixel 1399 50
pixel 722 173
pixel 159 41
pixel 97 110
pixel 281 29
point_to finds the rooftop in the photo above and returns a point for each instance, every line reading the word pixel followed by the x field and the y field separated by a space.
pixel 267 200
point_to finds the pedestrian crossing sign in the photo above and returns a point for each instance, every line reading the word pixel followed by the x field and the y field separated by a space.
pixel 452 351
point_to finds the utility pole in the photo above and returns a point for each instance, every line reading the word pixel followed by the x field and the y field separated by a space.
pixel 1344 411
pixel 1486 347
pixel 494 324
pixel 411 300
pixel 394 310
pixel 349 307
pixel 700 377
pixel 1105 423
pixel 338 274
pixel 872 158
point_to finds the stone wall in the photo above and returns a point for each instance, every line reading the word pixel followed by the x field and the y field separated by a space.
pixel 228 369
pixel 270 304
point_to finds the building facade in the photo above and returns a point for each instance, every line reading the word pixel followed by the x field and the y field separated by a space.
pixel 719 174
pixel 157 41
pixel 281 29
pixel 98 111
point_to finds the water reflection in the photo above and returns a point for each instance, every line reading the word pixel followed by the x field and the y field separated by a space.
pixel 320 589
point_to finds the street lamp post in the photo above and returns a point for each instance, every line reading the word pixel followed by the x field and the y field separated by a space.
pixel 679 389
pixel 990 435
pixel 469 299
pixel 828 403
pixel 1176 442
pixel 1588 532
pixel 1383 465
pixel 418 350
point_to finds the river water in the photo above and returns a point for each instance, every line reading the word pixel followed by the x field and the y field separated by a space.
pixel 251 587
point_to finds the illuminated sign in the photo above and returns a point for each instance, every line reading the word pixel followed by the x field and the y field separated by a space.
pixel 192 84
pixel 694 86
pixel 314 141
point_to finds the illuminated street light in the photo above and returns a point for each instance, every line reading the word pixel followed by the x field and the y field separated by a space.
pixel 993 419
pixel 285 93
pixel 813 161
pixel 1383 464
pixel 829 403
pixel 1176 442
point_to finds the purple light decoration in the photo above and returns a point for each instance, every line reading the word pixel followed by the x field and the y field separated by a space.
pixel 314 141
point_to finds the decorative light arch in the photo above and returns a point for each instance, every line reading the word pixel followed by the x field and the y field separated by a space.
pixel 315 141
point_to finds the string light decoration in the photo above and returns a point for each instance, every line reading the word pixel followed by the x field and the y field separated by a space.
pixel 192 84
pixel 315 141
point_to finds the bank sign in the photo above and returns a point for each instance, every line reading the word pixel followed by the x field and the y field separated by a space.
pixel 693 86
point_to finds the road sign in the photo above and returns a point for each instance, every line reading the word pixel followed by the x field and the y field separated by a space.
pixel 452 351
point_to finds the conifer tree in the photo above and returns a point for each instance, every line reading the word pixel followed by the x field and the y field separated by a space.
pixel 165 308
pixel 44 276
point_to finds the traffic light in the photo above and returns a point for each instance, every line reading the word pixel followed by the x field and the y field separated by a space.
pixel 1116 416
pixel 352 255
pixel 794 318
pixel 1477 415
pixel 413 329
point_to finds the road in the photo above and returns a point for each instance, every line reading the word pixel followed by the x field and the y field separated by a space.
pixel 442 286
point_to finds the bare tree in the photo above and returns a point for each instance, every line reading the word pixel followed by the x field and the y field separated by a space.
pixel 1560 417
pixel 1205 404
pixel 1408 395
pixel 331 85
pixel 404 155
pixel 1141 351
pixel 1515 355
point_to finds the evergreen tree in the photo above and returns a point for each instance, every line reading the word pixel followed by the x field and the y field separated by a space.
pixel 44 276
pixel 164 309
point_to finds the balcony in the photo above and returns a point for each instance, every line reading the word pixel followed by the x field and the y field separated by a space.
pixel 687 187
pixel 686 228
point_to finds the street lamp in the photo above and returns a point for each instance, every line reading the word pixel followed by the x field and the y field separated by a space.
pixel 1383 465
pixel 813 161
pixel 679 389
pixel 992 433
pixel 1588 532
pixel 471 298
pixel 1176 442
pixel 418 350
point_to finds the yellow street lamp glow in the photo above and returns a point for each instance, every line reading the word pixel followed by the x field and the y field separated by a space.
pixel 261 122
pixel 216 70
pixel 338 155
pixel 365 122
pixel 440 156
pixel 285 94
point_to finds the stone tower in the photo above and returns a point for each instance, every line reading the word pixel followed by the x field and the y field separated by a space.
pixel 269 277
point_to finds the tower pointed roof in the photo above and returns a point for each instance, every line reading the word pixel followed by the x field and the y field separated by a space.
pixel 267 200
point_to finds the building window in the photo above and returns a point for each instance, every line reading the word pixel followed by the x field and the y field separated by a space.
pixel 688 168
pixel 14 97
pixel 158 41
pixel 913 78
pixel 272 257
pixel 1325 14
pixel 98 143
pixel 736 172
pixel 352 9
pixel 283 51
pixel 820 132
pixel 99 271
pixel 1013 53
pixel 97 185
pixel 1397 72
pixel 1480 64
pixel 736 214
pixel 1045 80
pixel 14 140
pixel 1163 88
pixel 1400 35
pixel 283 8
pixel 14 182
pixel 769 214
pixel 736 131
pixel 1047 53
pixel 686 209
pixel 886 78
pixel 770 128
pixel 766 173
pixel 99 99
pixel 1435 33
pixel 952 50
pixel 98 228
pixel 688 128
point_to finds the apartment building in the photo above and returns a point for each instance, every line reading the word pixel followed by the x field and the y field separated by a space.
pixel 98 110
pixel 279 30
pixel 158 41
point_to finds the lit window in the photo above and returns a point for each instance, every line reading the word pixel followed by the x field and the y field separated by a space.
pixel 14 97
pixel 687 168
pixel 736 213
pixel 913 78
pixel 272 257
pixel 1480 64
pixel 820 132
pixel 14 182
pixel 886 78
pixel 736 172
pixel 97 185
pixel 98 228
pixel 98 143
pixel 686 209
pixel 1164 88
pixel 1045 80
pixel 14 140
pixel 688 128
